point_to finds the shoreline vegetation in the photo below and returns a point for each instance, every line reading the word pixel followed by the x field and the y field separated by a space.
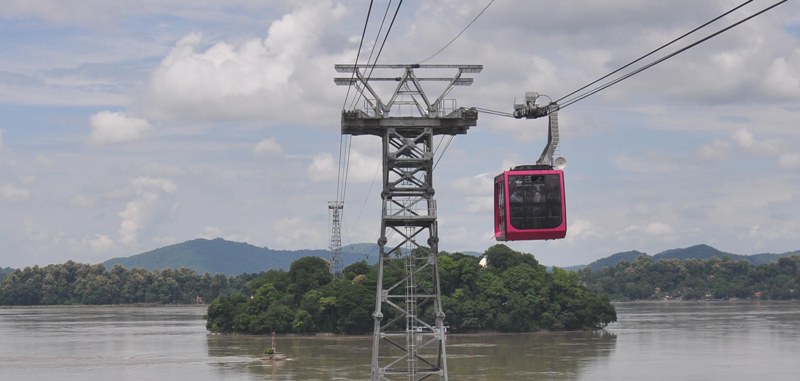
pixel 512 293
pixel 74 283
pixel 696 280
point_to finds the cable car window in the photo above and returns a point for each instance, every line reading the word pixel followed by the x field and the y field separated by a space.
pixel 534 201
pixel 500 208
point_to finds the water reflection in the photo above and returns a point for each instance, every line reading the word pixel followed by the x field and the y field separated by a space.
pixel 651 341
pixel 487 357
pixel 559 356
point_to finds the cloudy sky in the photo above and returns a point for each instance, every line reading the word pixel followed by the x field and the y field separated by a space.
pixel 133 124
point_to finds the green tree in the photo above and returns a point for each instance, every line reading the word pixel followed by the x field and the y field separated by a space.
pixel 308 273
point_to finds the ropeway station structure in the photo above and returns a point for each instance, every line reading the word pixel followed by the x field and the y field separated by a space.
pixel 409 341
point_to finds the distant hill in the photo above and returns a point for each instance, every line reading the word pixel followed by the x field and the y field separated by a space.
pixel 232 258
pixel 701 252
pixel 696 252
pixel 760 259
pixel 4 272
pixel 610 261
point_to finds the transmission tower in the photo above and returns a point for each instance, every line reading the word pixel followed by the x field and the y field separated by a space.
pixel 336 238
pixel 409 332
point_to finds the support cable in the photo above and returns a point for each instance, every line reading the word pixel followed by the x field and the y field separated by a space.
pixel 361 93
pixel 366 198
pixel 459 33
pixel 449 139
pixel 494 112
pixel 358 53
pixel 385 37
pixel 372 51
pixel 344 167
pixel 637 71
pixel 349 144
pixel 654 51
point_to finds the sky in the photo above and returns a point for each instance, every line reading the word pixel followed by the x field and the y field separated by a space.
pixel 134 124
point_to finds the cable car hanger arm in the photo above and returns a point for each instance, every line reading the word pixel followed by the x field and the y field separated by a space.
pixel 531 110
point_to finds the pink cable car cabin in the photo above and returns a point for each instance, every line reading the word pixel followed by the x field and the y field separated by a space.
pixel 529 204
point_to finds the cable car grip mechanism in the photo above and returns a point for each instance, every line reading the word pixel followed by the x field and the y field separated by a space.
pixel 531 110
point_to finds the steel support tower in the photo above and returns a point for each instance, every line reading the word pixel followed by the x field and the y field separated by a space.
pixel 409 332
pixel 336 238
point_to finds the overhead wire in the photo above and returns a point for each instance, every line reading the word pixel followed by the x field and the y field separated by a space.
pixel 437 53
pixel 637 71
pixel 655 50
pixel 385 37
pixel 358 53
pixel 344 158
pixel 361 91
pixel 459 33
pixel 494 112
pixel 449 140
pixel 372 51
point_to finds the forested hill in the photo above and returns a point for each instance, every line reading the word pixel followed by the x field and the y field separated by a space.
pixel 219 256
pixel 696 279
pixel 699 252
pixel 4 272
pixel 511 293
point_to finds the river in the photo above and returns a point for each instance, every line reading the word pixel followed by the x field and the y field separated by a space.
pixel 651 341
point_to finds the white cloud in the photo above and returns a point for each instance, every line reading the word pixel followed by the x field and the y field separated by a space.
pixel 77 11
pixel 146 184
pixel 581 229
pixel 790 160
pixel 294 232
pixel 475 185
pixel 744 138
pixel 254 79
pixel 323 168
pixel 115 127
pixel 477 192
pixel 261 64
pixel 213 232
pixel 646 233
pixel 658 229
pixel 1 139
pixel 717 150
pixel 99 242
pixel 81 201
pixel 758 201
pixel 363 168
pixel 268 147
pixel 86 12
pixel 649 162
pixel 782 78
pixel 138 211
pixel 14 193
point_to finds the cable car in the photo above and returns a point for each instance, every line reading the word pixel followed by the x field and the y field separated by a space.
pixel 529 200
pixel 529 204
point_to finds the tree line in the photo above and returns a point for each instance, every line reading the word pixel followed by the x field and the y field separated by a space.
pixel 513 293
pixel 4 271
pixel 693 279
pixel 77 283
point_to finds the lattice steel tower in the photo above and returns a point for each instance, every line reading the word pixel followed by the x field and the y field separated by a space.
pixel 409 333
pixel 336 237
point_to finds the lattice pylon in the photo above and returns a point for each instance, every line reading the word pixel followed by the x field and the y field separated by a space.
pixel 336 261
pixel 409 341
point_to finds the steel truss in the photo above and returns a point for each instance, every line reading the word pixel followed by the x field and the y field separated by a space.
pixel 336 262
pixel 409 341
